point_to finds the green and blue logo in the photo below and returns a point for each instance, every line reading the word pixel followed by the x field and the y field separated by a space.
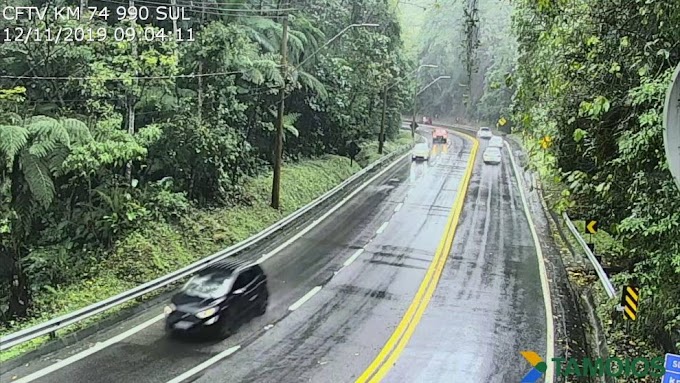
pixel 613 367
pixel 539 367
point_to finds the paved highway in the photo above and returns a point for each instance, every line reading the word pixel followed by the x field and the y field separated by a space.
pixel 340 291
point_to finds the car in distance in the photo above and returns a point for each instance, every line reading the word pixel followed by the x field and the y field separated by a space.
pixel 484 132
pixel 439 136
pixel 496 142
pixel 492 155
pixel 421 151
pixel 218 299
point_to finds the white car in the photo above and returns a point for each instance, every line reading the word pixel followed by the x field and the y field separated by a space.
pixel 492 155
pixel 484 132
pixel 421 151
pixel 496 142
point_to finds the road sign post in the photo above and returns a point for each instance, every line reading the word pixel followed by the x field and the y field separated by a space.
pixel 630 298
pixel 591 226
pixel 672 366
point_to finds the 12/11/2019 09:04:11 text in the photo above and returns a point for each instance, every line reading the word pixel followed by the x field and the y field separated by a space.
pixel 80 34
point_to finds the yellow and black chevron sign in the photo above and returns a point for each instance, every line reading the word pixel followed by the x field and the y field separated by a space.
pixel 629 300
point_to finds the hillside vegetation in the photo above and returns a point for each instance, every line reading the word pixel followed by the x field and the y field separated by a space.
pixel 124 160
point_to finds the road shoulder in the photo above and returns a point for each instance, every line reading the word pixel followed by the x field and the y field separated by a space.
pixel 569 316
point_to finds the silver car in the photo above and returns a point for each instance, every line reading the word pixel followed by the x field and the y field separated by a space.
pixel 484 132
pixel 492 155
pixel 496 142
pixel 421 151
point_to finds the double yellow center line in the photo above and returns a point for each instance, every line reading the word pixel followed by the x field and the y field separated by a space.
pixel 377 370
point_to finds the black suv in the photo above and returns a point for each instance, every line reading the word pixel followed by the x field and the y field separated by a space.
pixel 218 299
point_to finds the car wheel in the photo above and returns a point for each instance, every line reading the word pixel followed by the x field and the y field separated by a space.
pixel 262 306
pixel 225 327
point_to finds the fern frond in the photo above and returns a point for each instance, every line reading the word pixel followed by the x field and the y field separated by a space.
pixel 78 132
pixel 253 75
pixel 38 178
pixel 55 159
pixel 289 121
pixel 299 36
pixel 12 140
pixel 313 84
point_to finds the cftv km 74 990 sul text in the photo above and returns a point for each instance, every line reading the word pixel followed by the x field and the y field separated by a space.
pixel 63 13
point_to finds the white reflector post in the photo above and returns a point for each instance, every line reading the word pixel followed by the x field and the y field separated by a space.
pixel 671 127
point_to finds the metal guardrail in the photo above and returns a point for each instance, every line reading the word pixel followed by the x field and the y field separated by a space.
pixel 50 326
pixel 606 283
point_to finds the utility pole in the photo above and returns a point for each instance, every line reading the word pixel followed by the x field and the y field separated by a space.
pixel 278 144
pixel 381 138
pixel 415 100
pixel 131 99
pixel 200 72
pixel 173 3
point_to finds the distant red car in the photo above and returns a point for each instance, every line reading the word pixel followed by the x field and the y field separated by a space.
pixel 429 120
pixel 440 136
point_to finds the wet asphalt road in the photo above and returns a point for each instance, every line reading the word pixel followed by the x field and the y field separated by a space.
pixel 487 307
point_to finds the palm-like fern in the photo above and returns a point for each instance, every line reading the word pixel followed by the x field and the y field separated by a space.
pixel 32 154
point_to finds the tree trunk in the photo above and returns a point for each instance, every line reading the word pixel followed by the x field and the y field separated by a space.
pixel 19 297
pixel 19 294
pixel 200 73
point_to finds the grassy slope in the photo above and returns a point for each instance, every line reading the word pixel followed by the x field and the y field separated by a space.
pixel 160 248
pixel 619 343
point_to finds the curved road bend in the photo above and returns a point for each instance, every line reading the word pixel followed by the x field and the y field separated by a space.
pixel 414 198
pixel 488 305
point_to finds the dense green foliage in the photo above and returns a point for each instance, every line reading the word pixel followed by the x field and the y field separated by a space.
pixel 593 75
pixel 109 148
pixel 443 41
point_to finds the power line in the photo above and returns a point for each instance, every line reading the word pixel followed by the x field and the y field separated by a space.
pixel 121 78
pixel 215 10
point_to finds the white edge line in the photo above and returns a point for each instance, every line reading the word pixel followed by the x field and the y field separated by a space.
pixel 550 345
pixel 396 209
pixel 353 257
pixel 205 365
pixel 330 211
pixel 382 228
pixel 305 298
pixel 100 346
pixel 83 354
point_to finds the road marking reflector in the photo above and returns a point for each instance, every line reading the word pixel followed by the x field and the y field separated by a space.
pixel 305 298
pixel 396 209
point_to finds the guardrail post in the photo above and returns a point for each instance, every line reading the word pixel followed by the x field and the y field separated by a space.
pixel 53 335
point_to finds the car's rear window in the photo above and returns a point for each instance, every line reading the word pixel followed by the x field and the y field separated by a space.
pixel 485 129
